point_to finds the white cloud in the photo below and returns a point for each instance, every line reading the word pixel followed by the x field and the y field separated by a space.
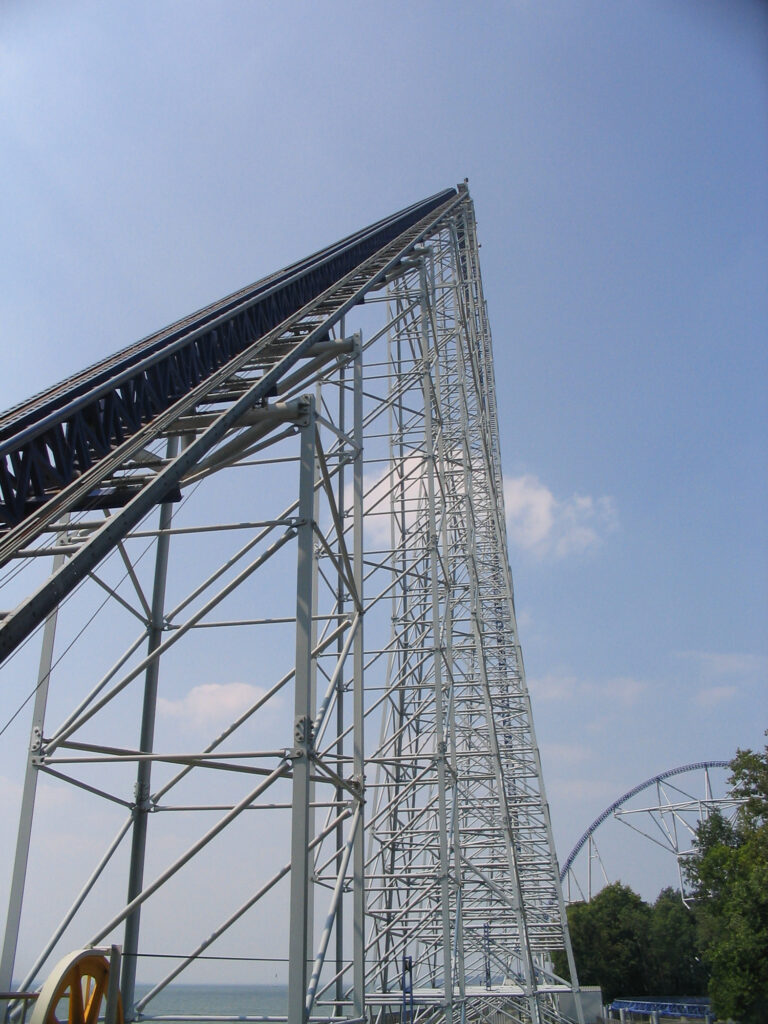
pixel 561 755
pixel 722 677
pixel 211 704
pixel 524 620
pixel 54 795
pixel 539 522
pixel 714 695
pixel 536 520
pixel 624 690
pixel 10 795
pixel 712 663
pixel 553 686
pixel 574 790
pixel 530 509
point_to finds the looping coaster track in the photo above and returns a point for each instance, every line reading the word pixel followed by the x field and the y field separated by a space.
pixel 279 650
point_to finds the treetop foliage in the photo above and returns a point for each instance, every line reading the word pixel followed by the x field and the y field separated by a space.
pixel 749 782
pixel 719 946
pixel 630 948
pixel 728 874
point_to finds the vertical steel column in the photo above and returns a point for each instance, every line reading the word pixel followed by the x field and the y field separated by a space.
pixel 395 421
pixel 313 693
pixel 437 665
pixel 358 710
pixel 443 338
pixel 146 744
pixel 21 858
pixel 302 749
pixel 339 792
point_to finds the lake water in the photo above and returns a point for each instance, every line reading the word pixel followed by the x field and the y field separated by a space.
pixel 238 1000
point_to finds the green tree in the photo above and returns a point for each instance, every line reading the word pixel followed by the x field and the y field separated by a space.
pixel 749 782
pixel 676 966
pixel 610 938
pixel 728 873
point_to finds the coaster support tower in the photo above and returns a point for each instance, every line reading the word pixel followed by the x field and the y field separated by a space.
pixel 309 473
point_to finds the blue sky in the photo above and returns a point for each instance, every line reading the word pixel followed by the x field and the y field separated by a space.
pixel 157 156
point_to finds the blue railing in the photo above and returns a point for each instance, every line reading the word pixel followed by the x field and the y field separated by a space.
pixel 684 1007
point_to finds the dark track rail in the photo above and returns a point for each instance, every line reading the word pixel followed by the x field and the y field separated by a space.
pixel 55 436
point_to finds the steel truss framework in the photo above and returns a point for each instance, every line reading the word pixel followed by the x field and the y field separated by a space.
pixel 336 542
pixel 668 816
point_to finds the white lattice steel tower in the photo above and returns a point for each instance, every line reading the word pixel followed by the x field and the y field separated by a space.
pixel 329 557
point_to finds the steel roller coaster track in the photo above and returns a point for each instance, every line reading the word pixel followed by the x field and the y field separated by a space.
pixel 49 440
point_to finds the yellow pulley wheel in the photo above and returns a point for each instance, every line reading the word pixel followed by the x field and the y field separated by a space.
pixel 75 992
